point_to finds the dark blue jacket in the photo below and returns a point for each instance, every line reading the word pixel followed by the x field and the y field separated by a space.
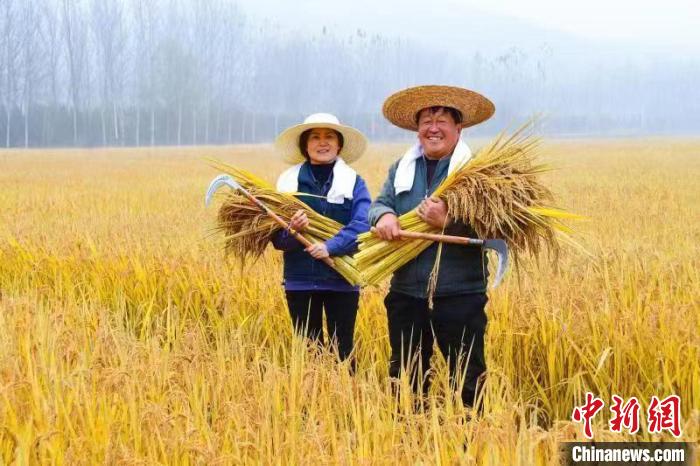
pixel 301 271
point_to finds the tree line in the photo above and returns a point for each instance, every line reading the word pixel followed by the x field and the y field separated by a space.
pixel 160 72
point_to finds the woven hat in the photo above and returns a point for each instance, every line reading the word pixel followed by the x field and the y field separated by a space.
pixel 402 107
pixel 287 143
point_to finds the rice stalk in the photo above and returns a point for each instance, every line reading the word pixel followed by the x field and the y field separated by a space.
pixel 498 193
pixel 247 230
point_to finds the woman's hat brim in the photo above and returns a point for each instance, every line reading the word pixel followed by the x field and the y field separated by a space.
pixel 287 143
pixel 402 107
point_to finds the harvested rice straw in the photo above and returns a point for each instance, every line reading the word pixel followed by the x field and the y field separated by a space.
pixel 497 192
pixel 247 230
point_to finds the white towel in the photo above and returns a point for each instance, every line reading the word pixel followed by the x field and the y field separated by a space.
pixel 406 171
pixel 343 184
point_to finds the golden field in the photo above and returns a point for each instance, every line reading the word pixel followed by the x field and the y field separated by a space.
pixel 126 337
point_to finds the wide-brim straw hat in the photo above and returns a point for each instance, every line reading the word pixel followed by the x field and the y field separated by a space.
pixel 402 107
pixel 287 143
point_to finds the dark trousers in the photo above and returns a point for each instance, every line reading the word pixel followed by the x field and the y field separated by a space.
pixel 456 323
pixel 306 310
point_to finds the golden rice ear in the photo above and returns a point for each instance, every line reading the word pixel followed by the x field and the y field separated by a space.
pixel 499 194
pixel 247 230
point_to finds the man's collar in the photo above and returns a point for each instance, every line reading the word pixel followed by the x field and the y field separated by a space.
pixel 444 157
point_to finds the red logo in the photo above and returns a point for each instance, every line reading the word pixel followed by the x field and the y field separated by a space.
pixel 625 415
pixel 586 412
pixel 665 415
pixel 662 414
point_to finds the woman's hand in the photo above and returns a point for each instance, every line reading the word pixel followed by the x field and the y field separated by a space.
pixel 299 221
pixel 318 251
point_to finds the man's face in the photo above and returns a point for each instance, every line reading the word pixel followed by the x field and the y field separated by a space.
pixel 437 132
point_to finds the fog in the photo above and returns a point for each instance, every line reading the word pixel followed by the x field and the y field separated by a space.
pixel 158 72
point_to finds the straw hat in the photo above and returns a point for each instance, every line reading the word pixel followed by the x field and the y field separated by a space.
pixel 287 143
pixel 402 107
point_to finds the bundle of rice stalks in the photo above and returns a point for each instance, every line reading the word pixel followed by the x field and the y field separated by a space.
pixel 498 193
pixel 247 229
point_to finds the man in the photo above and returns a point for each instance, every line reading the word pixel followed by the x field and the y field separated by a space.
pixel 457 321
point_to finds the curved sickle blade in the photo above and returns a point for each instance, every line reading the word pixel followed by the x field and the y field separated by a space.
pixel 218 182
pixel 501 249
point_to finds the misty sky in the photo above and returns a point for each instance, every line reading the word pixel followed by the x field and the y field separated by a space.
pixel 671 22
pixel 642 25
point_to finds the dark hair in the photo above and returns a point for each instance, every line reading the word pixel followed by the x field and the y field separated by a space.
pixel 454 113
pixel 304 141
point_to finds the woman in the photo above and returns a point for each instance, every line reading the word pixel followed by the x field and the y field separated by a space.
pixel 320 148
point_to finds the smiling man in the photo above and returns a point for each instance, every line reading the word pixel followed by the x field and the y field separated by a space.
pixel 457 321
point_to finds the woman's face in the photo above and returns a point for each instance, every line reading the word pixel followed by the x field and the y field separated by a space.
pixel 323 146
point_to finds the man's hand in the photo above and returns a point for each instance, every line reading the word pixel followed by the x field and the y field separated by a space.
pixel 299 221
pixel 318 251
pixel 433 211
pixel 387 227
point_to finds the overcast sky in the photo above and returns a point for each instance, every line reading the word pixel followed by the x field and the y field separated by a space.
pixel 669 26
pixel 669 22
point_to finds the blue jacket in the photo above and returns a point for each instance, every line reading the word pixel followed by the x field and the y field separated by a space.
pixel 462 268
pixel 301 271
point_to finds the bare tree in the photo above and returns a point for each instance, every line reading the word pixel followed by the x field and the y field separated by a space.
pixel 75 38
pixel 108 31
pixel 208 36
pixel 31 54
pixel 146 29
pixel 51 46
pixel 10 56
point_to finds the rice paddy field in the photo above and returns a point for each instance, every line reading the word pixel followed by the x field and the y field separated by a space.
pixel 127 337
